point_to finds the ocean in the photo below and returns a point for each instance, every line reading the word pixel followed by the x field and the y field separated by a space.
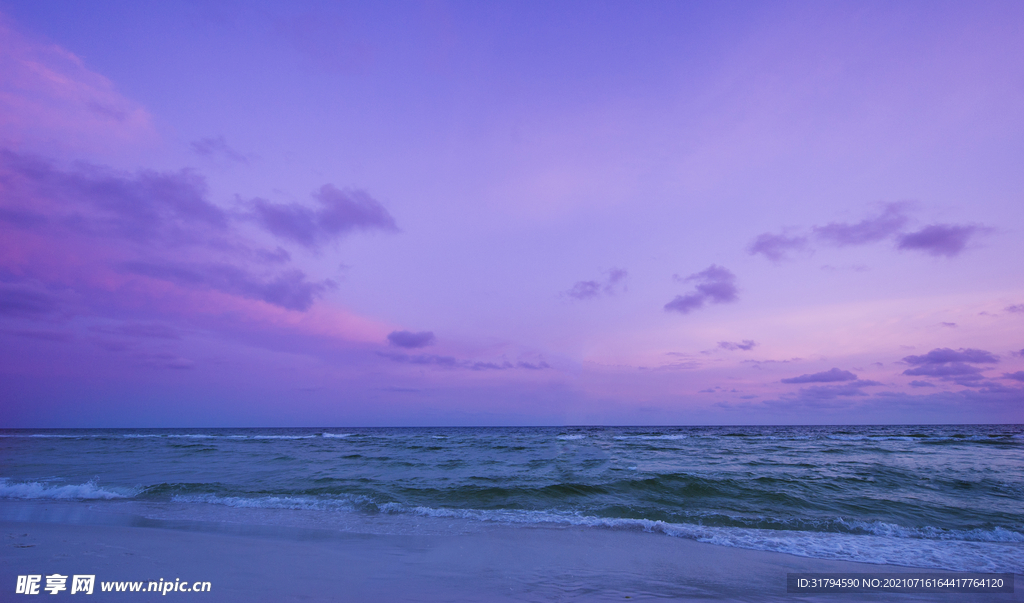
pixel 945 497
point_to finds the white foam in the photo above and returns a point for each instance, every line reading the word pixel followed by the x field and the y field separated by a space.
pixel 47 435
pixel 337 435
pixel 270 502
pixel 197 436
pixel 652 437
pixel 995 550
pixel 283 437
pixel 391 508
pixel 890 530
pixel 873 438
pixel 999 552
pixel 37 491
pixel 573 436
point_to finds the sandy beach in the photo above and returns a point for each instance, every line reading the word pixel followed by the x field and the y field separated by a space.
pixel 494 563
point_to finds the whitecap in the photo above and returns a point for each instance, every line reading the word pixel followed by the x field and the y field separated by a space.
pixel 37 491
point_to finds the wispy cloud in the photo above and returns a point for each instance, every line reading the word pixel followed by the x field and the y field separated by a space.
pixel 23 300
pixel 938 239
pixel 92 200
pixel 775 247
pixel 746 344
pixel 451 362
pixel 51 98
pixel 714 285
pixel 829 392
pixel 165 360
pixel 55 336
pixel 140 330
pixel 614 281
pixel 828 376
pixel 408 339
pixel 98 246
pixel 340 212
pixel 217 146
pixel 869 230
pixel 289 289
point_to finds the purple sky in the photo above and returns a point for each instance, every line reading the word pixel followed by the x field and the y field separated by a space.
pixel 485 213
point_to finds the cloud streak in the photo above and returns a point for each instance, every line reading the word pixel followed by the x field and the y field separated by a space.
pixel 48 97
pixel 217 146
pixel 829 392
pixel 289 289
pixel 408 339
pixel 145 206
pixel 828 376
pixel 869 230
pixel 451 362
pixel 141 330
pixel 947 240
pixel 614 279
pixel 339 213
pixel 19 300
pixel 745 345
pixel 161 226
pixel 776 247
pixel 121 254
pixel 715 285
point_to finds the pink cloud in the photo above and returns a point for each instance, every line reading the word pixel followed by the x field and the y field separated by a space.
pixel 48 97
pixel 99 244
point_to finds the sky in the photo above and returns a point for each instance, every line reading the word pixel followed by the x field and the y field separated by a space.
pixel 510 213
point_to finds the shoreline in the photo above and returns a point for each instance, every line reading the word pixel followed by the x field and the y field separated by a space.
pixel 489 563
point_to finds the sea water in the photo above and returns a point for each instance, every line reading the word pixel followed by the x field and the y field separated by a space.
pixel 942 497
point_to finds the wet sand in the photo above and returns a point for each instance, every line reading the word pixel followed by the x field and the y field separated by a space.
pixel 494 563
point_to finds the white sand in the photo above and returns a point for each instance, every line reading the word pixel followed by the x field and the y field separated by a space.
pixel 495 563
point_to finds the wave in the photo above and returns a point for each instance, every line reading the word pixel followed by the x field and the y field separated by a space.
pixel 891 530
pixel 996 549
pixel 54 435
pixel 992 555
pixel 1002 439
pixel 198 436
pixel 281 437
pixel 355 502
pixel 295 503
pixel 677 436
pixel 41 491
pixel 35 435
pixel 872 438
